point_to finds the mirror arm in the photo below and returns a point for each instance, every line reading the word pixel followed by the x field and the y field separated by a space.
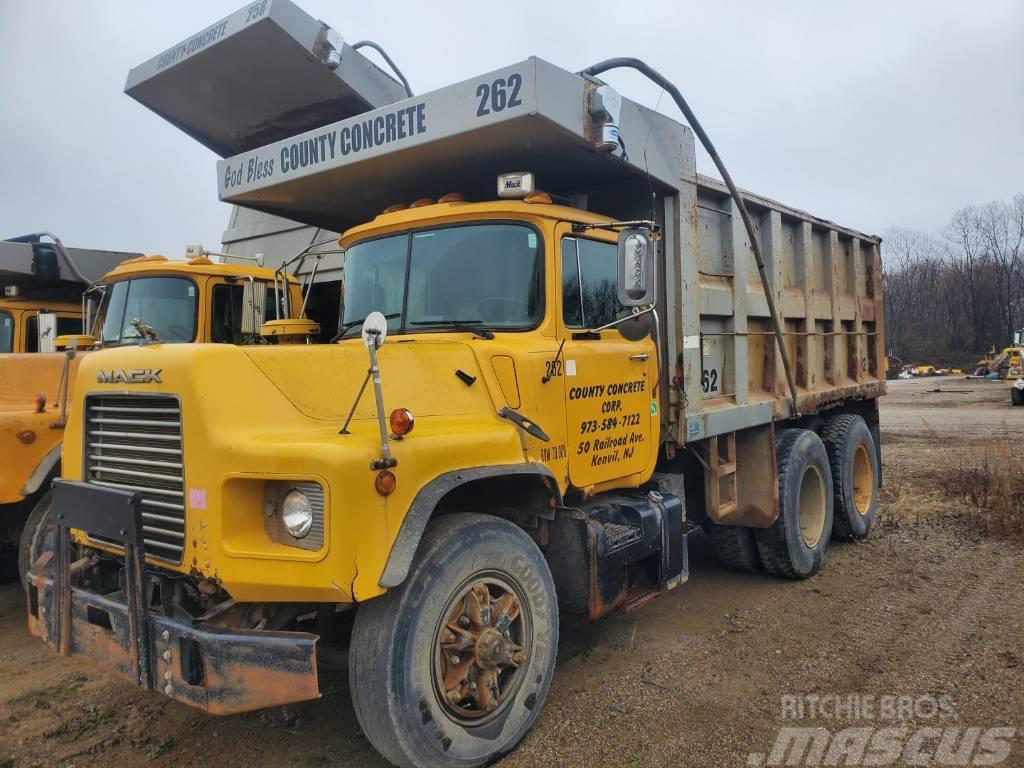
pixel 619 321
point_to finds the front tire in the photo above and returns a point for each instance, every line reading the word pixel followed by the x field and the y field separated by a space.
pixel 794 545
pixel 33 536
pixel 452 667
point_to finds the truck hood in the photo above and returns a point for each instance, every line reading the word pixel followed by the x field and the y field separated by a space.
pixel 419 374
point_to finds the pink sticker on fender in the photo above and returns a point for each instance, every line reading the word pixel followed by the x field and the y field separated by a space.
pixel 197 498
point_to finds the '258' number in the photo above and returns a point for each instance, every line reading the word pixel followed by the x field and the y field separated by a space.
pixel 499 95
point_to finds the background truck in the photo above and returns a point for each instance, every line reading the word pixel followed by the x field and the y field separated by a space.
pixel 562 384
pixel 41 286
pixel 142 299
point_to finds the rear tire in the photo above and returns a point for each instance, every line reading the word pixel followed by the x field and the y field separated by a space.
pixel 853 458
pixel 1017 396
pixel 736 548
pixel 413 656
pixel 794 546
pixel 33 536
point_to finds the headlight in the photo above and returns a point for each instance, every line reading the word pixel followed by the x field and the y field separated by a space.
pixel 297 513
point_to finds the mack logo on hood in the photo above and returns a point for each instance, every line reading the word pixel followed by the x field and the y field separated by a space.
pixel 132 376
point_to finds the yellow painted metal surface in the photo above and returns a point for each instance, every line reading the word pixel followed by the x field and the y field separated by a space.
pixel 274 412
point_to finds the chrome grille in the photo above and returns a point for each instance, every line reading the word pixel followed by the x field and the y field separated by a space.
pixel 133 442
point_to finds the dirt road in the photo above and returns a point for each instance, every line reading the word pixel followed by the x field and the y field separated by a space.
pixel 925 609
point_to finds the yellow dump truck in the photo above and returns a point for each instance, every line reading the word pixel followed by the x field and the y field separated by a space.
pixel 561 352
pixel 143 299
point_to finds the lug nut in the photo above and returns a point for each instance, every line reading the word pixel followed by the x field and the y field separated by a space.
pixel 455 659
pixel 464 620
pixel 165 635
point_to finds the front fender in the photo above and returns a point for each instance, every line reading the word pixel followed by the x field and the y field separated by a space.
pixel 415 523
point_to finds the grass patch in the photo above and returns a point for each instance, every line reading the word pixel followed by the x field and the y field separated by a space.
pixel 44 698
pixel 990 482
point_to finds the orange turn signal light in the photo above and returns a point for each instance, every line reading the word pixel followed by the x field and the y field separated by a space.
pixel 40 402
pixel 402 421
pixel 385 482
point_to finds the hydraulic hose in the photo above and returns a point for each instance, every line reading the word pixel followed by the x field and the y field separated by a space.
pixel 659 79
pixel 384 55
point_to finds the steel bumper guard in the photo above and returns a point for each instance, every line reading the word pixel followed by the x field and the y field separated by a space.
pixel 221 671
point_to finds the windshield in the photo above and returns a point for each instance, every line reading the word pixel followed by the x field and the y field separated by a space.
pixel 166 304
pixel 484 276
pixel 6 332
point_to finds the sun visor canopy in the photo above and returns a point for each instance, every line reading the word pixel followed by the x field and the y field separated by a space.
pixel 267 71
pixel 531 116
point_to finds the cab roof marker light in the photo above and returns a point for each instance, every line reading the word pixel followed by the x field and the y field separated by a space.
pixel 422 202
pixel 516 185
pixel 451 197
pixel 395 208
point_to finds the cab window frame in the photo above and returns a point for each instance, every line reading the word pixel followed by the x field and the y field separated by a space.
pixel 196 310
pixel 410 234
pixel 579 272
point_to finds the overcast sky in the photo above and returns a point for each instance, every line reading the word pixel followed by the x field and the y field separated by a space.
pixel 872 114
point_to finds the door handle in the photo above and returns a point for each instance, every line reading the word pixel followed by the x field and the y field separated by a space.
pixel 641 356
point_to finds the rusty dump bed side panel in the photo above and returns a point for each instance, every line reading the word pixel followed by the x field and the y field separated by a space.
pixel 826 282
pixel 219 671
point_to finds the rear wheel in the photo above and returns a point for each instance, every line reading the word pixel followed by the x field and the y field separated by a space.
pixel 853 458
pixel 736 547
pixel 33 536
pixel 452 667
pixel 794 545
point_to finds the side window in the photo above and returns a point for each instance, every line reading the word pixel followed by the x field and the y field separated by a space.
pixel 31 334
pixel 589 289
pixel 69 326
pixel 226 315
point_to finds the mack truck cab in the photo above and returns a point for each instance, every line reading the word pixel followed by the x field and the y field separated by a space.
pixel 144 299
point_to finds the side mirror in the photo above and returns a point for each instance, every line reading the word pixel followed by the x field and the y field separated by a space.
pixel 636 282
pixel 46 324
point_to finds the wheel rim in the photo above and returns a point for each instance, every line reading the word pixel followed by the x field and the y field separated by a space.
pixel 863 480
pixel 481 648
pixel 812 505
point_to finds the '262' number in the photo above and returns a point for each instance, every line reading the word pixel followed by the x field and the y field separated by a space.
pixel 499 95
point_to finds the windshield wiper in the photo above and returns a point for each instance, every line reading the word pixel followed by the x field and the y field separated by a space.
pixel 469 325
pixel 346 327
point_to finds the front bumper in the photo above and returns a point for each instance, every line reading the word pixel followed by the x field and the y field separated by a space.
pixel 221 671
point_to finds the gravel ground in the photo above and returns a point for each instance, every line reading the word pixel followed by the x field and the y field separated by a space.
pixel 926 609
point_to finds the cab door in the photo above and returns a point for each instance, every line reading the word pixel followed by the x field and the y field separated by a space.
pixel 610 405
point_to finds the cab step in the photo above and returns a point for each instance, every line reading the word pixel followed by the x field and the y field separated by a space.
pixel 638 596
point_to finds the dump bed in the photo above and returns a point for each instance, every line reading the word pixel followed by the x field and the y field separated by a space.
pixel 721 368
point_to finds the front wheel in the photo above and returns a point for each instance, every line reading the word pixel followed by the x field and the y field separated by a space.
pixel 33 536
pixel 452 667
